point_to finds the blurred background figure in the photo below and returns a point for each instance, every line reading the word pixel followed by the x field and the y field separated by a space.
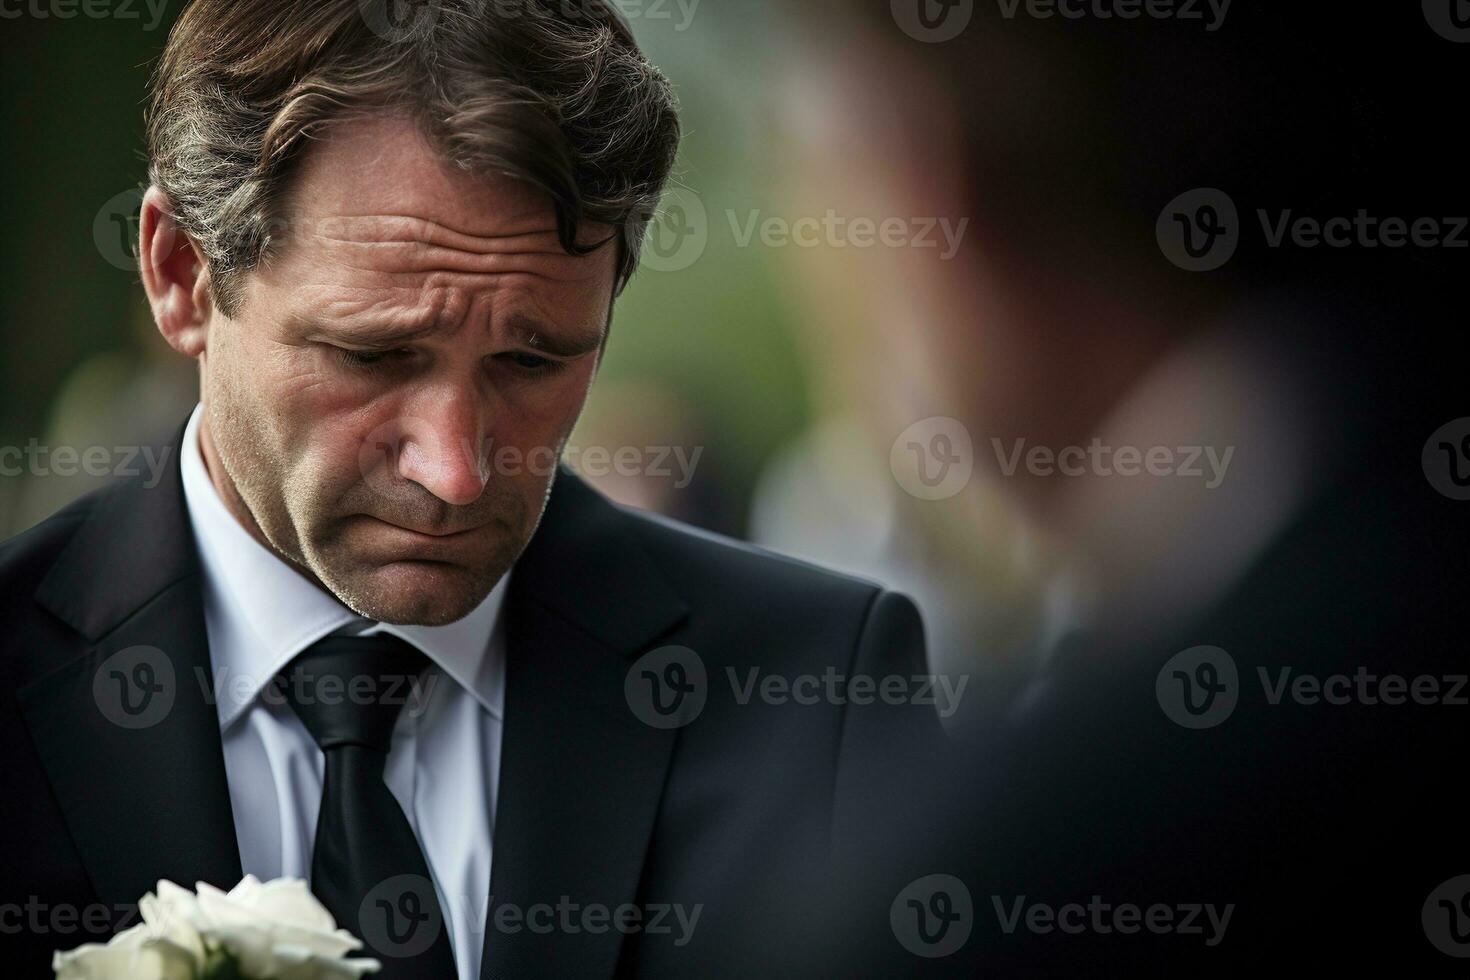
pixel 1244 440
pixel 1057 323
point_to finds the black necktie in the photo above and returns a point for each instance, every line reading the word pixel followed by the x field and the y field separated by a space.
pixel 366 865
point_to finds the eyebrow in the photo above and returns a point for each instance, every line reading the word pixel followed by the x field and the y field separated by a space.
pixel 524 329
pixel 362 333
pixel 538 336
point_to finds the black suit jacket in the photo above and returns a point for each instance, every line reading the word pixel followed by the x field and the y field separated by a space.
pixel 736 812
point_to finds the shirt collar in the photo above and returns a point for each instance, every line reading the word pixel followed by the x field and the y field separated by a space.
pixel 261 612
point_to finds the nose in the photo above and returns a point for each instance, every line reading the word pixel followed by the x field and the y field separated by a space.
pixel 441 448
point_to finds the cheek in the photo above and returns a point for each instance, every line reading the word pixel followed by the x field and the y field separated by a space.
pixel 314 425
pixel 322 413
pixel 243 390
pixel 341 445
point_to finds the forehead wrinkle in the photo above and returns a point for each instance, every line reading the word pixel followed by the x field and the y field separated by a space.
pixel 529 233
pixel 415 244
pixel 378 310
pixel 417 258
pixel 445 311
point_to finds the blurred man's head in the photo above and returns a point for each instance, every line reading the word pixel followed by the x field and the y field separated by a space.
pixel 1058 141
pixel 393 248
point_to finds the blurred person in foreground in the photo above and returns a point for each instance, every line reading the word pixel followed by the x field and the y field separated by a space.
pixel 1284 541
pixel 393 248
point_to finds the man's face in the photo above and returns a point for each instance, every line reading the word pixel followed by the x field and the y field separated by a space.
pixel 388 401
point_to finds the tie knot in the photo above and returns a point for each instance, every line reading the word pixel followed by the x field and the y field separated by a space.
pixel 349 690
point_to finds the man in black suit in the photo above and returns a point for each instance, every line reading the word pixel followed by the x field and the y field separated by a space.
pixel 393 249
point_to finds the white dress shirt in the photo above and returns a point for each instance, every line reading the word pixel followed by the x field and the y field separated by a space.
pixel 445 760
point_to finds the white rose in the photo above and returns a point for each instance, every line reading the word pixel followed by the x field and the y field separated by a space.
pixel 274 931
pixel 172 914
pixel 133 954
pixel 278 931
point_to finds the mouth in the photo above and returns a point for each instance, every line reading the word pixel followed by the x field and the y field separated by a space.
pixel 440 533
pixel 423 542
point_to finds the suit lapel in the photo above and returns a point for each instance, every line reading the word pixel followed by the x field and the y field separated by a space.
pixel 581 777
pixel 124 725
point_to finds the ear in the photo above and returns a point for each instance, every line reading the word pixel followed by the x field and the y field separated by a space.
pixel 175 276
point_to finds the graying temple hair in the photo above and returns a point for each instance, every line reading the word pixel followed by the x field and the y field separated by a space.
pixel 552 92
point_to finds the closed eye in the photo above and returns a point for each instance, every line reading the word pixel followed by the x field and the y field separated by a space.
pixel 365 359
pixel 525 363
pixel 530 363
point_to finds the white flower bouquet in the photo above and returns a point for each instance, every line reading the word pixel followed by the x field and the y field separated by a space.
pixel 275 930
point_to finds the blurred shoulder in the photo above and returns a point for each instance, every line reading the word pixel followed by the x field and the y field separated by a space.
pixel 702 563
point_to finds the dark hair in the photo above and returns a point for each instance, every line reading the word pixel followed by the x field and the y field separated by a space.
pixel 552 92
